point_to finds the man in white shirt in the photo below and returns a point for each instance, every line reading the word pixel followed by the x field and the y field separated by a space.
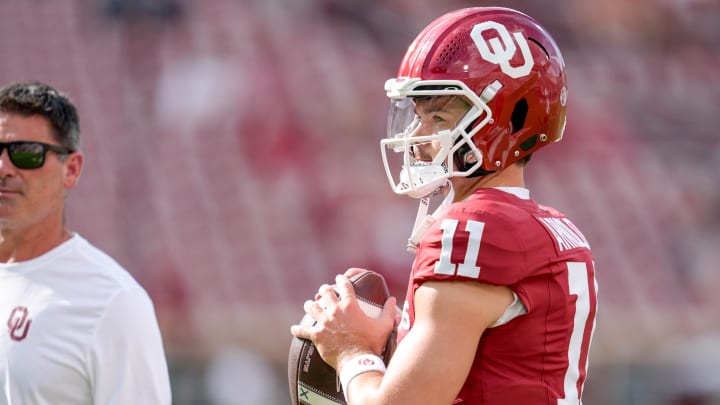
pixel 75 327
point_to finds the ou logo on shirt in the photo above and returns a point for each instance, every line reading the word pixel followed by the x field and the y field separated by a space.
pixel 18 323
pixel 501 49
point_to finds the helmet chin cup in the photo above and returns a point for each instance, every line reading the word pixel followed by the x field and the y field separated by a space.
pixel 419 181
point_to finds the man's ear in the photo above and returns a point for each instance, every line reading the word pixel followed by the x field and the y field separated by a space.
pixel 73 168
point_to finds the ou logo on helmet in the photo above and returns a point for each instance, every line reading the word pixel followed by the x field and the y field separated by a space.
pixel 501 49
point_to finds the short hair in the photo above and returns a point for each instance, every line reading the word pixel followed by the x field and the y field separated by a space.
pixel 36 98
pixel 524 161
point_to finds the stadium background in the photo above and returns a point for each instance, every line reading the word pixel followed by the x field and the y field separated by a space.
pixel 233 166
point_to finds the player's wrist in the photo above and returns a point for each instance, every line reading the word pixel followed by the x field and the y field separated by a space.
pixel 359 364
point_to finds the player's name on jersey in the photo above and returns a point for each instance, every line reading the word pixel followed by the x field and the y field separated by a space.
pixel 566 234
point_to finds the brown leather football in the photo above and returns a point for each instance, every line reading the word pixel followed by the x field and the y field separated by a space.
pixel 311 380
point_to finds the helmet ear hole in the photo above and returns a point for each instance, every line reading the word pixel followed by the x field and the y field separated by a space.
pixel 529 143
pixel 518 115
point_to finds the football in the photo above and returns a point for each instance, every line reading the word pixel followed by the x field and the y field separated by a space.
pixel 311 380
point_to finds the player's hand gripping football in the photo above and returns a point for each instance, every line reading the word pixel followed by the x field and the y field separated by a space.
pixel 342 329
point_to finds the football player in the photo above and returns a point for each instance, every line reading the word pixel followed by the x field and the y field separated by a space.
pixel 502 298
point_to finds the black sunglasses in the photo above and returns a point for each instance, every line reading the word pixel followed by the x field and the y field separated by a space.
pixel 30 154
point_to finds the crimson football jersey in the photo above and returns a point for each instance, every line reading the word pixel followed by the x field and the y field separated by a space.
pixel 497 237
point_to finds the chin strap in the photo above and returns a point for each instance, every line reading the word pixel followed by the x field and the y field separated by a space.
pixel 423 221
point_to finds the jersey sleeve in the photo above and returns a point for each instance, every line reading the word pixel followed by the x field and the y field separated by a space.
pixel 127 360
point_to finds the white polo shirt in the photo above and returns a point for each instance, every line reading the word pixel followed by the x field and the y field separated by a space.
pixel 76 328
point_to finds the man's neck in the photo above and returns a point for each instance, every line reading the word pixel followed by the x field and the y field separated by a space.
pixel 16 247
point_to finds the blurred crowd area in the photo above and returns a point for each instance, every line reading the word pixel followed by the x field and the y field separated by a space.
pixel 233 165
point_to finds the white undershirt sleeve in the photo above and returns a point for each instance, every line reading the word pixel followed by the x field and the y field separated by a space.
pixel 515 309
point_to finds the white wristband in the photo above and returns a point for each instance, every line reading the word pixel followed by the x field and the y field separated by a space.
pixel 358 365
